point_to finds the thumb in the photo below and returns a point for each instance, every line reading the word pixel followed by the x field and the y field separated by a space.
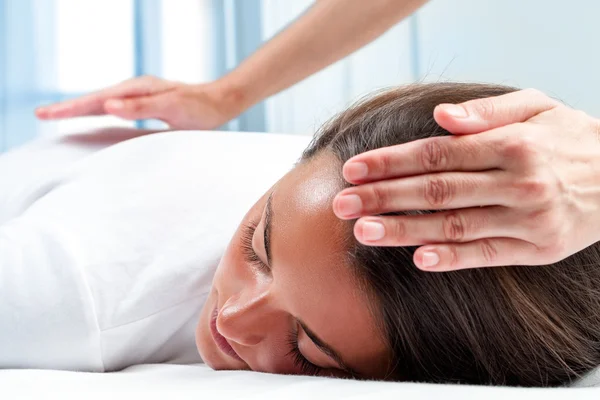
pixel 480 115
pixel 145 107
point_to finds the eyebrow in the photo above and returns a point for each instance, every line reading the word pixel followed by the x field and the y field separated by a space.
pixel 321 345
pixel 267 233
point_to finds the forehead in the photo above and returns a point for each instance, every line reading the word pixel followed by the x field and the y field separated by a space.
pixel 309 243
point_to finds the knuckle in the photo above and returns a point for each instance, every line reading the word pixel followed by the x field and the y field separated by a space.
pixel 438 191
pixel 434 155
pixel 454 227
pixel 489 251
pixel 384 164
pixel 380 199
pixel 454 258
pixel 399 230
pixel 535 187
pixel 531 188
pixel 485 108
pixel 521 148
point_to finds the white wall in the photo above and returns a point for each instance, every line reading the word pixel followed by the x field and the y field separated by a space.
pixel 547 44
pixel 305 106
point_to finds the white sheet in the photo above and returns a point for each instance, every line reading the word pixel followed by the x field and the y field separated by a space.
pixel 200 382
pixel 110 261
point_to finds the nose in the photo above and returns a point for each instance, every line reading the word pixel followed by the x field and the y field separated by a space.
pixel 248 316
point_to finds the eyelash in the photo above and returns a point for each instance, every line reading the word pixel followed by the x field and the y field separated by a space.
pixel 251 257
pixel 300 361
pixel 249 253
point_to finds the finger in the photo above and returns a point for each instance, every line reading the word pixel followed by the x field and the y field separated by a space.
pixel 426 192
pixel 156 106
pixel 480 115
pixel 93 104
pixel 493 252
pixel 86 105
pixel 463 225
pixel 437 154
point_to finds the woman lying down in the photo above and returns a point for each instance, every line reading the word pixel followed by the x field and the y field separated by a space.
pixel 111 265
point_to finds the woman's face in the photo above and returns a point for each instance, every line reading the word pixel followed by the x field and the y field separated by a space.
pixel 285 285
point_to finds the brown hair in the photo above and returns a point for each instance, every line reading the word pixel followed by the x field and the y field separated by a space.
pixel 525 326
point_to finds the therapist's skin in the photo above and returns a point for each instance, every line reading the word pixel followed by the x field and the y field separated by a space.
pixel 324 34
pixel 552 169
pixel 260 306
pixel 327 32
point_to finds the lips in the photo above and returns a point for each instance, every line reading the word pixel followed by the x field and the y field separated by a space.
pixel 219 339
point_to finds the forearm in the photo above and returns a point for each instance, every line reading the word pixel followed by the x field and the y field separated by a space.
pixel 327 32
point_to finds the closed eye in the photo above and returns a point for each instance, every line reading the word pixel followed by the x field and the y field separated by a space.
pixel 252 258
pixel 248 250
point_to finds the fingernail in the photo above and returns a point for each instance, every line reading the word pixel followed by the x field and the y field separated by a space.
pixel 115 104
pixel 356 170
pixel 349 205
pixel 372 230
pixel 454 110
pixel 430 259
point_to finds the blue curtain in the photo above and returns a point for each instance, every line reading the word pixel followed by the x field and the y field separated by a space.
pixel 18 76
pixel 147 41
pixel 239 31
pixel 27 57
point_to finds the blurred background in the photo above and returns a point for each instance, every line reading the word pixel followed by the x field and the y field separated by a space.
pixel 52 50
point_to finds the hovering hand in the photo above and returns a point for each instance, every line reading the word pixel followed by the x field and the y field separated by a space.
pixel 180 105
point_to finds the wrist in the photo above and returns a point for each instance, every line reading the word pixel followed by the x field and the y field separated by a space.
pixel 235 95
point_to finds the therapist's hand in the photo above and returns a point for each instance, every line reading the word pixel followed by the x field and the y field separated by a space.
pixel 180 105
pixel 519 184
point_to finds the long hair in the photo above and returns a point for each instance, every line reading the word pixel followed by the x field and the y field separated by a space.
pixel 518 325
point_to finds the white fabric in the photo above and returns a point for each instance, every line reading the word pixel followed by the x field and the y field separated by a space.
pixel 200 382
pixel 106 259
pixel 56 315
